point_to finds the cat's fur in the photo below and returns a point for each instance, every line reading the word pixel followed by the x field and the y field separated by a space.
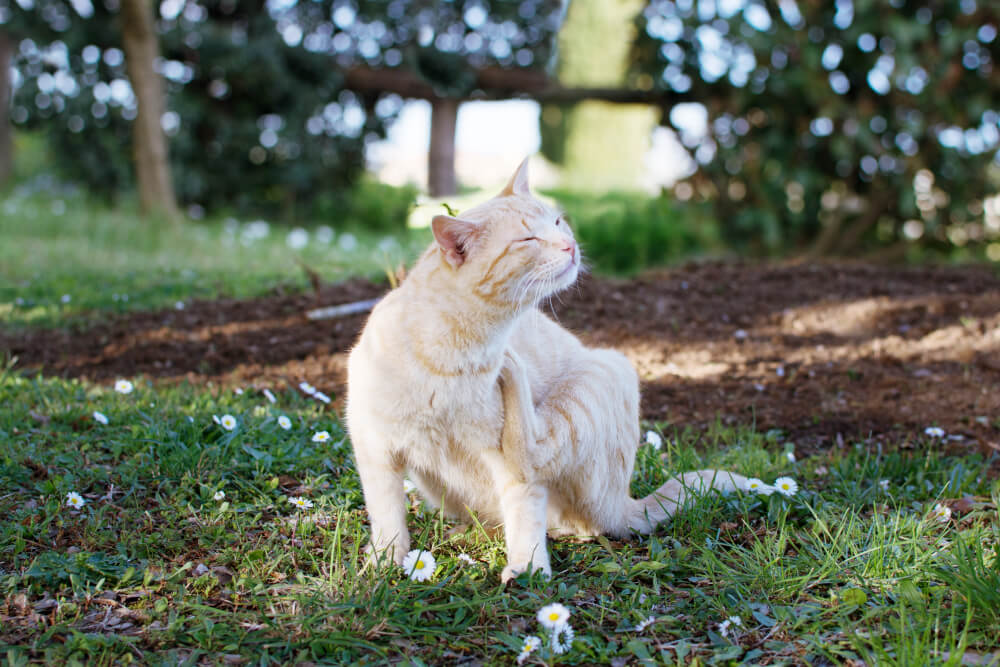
pixel 491 406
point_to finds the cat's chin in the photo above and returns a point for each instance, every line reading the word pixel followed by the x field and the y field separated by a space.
pixel 567 276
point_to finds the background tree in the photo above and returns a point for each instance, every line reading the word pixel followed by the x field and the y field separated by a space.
pixel 149 144
pixel 599 145
pixel 254 123
pixel 269 105
pixel 838 124
pixel 6 141
pixel 444 52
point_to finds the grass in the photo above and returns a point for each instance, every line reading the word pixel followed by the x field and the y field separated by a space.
pixel 154 570
pixel 65 258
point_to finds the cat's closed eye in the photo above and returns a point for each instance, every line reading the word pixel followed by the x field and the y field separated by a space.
pixel 527 239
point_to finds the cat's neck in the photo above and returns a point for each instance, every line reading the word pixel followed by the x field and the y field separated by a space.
pixel 460 328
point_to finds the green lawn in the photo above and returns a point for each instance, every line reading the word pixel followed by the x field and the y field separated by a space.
pixel 64 258
pixel 154 569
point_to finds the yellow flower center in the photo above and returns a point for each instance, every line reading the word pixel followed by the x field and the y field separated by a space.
pixel 554 616
pixel 420 565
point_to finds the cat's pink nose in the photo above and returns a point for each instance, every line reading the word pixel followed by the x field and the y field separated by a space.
pixel 569 246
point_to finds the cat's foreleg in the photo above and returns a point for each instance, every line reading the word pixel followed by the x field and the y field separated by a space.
pixel 523 508
pixel 382 482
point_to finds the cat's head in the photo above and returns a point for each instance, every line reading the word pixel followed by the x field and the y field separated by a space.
pixel 512 249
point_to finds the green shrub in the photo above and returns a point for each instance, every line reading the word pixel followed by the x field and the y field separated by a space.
pixel 375 206
pixel 625 232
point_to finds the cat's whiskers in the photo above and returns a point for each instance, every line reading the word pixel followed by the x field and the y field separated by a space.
pixel 528 284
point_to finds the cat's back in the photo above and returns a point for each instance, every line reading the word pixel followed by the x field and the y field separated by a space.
pixel 553 353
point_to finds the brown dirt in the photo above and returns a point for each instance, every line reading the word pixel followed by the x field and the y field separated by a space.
pixel 822 351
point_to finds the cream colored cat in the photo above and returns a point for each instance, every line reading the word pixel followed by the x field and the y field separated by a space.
pixel 489 405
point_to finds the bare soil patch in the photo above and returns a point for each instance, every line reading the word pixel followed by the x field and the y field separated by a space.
pixel 825 351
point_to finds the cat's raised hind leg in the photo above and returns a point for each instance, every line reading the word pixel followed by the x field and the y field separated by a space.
pixel 523 496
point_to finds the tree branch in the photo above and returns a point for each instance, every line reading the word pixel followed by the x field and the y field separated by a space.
pixel 496 83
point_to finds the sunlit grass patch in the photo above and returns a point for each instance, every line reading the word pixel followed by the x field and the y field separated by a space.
pixel 156 565
pixel 65 258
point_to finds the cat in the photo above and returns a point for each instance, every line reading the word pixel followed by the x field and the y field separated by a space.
pixel 459 380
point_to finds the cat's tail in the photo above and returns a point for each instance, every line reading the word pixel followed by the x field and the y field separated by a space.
pixel 644 514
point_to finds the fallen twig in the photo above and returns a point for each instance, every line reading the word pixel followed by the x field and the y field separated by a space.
pixel 342 310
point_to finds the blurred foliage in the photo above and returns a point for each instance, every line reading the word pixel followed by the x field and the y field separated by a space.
pixel 597 145
pixel 259 118
pixel 625 232
pixel 371 205
pixel 841 124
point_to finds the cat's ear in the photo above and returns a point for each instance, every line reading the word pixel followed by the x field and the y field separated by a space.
pixel 519 181
pixel 453 235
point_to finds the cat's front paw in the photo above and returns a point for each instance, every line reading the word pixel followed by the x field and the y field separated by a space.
pixel 513 571
pixel 391 554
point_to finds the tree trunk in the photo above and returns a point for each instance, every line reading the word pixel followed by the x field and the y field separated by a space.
pixel 599 146
pixel 6 140
pixel 149 144
pixel 441 157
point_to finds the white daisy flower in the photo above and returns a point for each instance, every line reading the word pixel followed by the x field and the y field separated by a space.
pixel 297 239
pixel 419 565
pixel 100 417
pixel 934 432
pixel 219 495
pixel 645 623
pixel 755 485
pixel 179 305
pixel 124 387
pixel 653 438
pixel 269 396
pixel 408 486
pixel 307 388
pixel 560 646
pixel 941 513
pixel 238 391
pixel 320 396
pixel 320 436
pixel 531 644
pixel 227 422
pixel 301 503
pixel 466 558
pixel 553 616
pixel 786 486
pixel 884 484
pixel 731 622
pixel 284 422
pixel 75 500
pixel 790 456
